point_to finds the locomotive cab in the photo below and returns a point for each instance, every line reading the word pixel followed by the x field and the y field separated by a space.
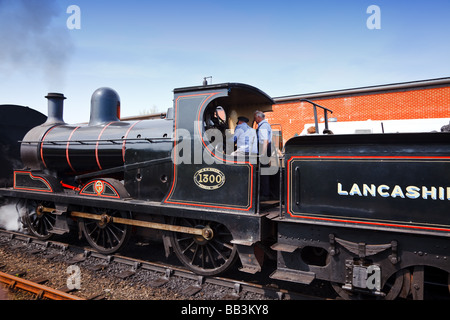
pixel 206 172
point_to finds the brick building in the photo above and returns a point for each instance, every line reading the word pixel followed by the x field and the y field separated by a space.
pixel 411 100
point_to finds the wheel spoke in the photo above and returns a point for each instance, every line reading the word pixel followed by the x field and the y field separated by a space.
pixel 217 251
pixel 187 238
pixel 48 222
pixel 115 229
pixel 93 231
pixel 195 254
pixel 109 239
pixel 97 234
pixel 202 256
pixel 213 261
pixel 115 238
pixel 189 246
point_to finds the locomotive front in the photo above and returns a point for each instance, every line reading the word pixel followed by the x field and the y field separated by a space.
pixel 103 147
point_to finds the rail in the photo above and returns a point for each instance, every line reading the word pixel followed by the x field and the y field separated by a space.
pixel 41 291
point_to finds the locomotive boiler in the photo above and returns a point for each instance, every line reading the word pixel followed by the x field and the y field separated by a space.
pixel 105 146
pixel 365 213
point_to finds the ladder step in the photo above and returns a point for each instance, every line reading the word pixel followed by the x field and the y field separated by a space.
pixel 302 277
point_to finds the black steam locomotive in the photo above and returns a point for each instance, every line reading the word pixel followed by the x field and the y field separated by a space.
pixel 367 213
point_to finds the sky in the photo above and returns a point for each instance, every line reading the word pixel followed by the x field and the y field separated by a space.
pixel 145 49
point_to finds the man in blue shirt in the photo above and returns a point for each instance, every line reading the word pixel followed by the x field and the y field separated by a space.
pixel 245 138
pixel 264 134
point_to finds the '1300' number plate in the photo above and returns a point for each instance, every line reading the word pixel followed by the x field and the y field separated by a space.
pixel 209 178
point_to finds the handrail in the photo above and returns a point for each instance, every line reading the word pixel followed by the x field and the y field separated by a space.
pixel 325 113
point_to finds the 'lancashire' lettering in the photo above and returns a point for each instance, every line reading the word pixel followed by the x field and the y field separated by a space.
pixel 385 191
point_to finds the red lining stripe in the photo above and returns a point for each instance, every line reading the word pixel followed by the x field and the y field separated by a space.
pixel 50 189
pixel 42 145
pixel 372 223
pixel 96 146
pixel 67 148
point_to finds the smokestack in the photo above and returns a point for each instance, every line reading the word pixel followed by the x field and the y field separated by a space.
pixel 55 108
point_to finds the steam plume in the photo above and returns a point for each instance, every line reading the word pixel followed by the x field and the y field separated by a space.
pixel 10 216
pixel 32 41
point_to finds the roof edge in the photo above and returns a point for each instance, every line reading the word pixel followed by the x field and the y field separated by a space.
pixel 439 82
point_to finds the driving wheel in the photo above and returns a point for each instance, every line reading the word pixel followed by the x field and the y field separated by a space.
pixel 103 234
pixel 38 219
pixel 207 257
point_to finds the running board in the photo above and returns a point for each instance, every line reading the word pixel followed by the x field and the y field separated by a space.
pixel 302 277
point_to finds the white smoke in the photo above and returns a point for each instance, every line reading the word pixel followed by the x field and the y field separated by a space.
pixel 10 217
pixel 32 41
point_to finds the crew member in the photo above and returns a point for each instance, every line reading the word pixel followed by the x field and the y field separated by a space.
pixel 264 134
pixel 245 138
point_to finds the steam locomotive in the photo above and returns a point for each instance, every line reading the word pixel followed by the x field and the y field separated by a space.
pixel 366 213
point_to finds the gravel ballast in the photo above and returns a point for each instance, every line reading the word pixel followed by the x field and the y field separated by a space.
pixel 53 264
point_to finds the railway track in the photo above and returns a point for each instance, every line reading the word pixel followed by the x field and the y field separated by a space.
pixel 130 266
pixel 163 275
pixel 35 287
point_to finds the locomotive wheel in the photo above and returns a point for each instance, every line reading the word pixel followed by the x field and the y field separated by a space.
pixel 103 235
pixel 205 257
pixel 391 289
pixel 38 221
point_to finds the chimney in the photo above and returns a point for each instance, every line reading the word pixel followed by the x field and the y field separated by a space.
pixel 55 108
